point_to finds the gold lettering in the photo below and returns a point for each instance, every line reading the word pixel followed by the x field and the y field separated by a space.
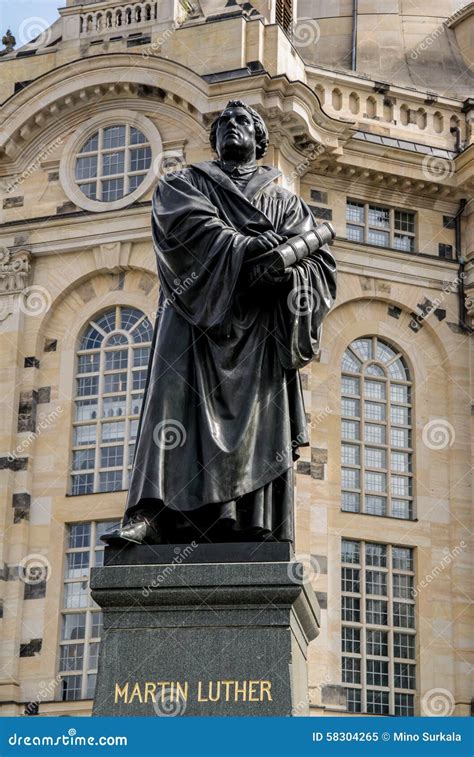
pixel 265 686
pixel 121 693
pixel 240 690
pixel 200 697
pixel 227 685
pixel 150 689
pixel 217 695
pixel 182 693
pixel 253 697
pixel 136 693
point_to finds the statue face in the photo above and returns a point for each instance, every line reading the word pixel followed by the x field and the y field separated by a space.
pixel 235 135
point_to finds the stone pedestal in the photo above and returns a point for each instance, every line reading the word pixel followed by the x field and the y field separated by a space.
pixel 218 629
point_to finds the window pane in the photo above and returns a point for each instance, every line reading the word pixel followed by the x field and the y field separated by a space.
pixel 141 356
pixel 374 389
pixel 86 410
pixel 400 414
pixel 350 478
pixel 400 437
pixel 76 595
pixel 138 379
pixel 375 482
pixel 82 484
pixel 354 700
pixel 363 347
pixel 114 407
pixel 404 675
pixel 140 159
pixel 377 672
pixel 404 705
pixel 376 583
pixel 350 454
pixel 375 505
pixel 379 217
pixel 351 670
pixel 350 551
pixel 355 211
pixel 114 136
pixel 399 393
pixel 380 238
pixel 77 564
pixel 403 615
pixel 350 385
pixel 351 501
pixel 355 233
pixel 112 189
pixel 374 411
pixel 351 609
pixel 350 429
pixel 115 382
pixel 111 457
pixel 86 168
pixel 143 332
pixel 72 657
pixel 402 586
pixel 401 486
pixel 87 385
pixel 377 643
pixel 83 459
pixel 113 162
pixel 350 639
pixel 404 221
pixel 93 655
pixel 374 433
pixel 402 508
pixel 350 362
pixel 116 360
pixel 113 432
pixel 136 404
pixel 401 462
pixel 376 554
pixel 96 628
pixel 350 407
pixel 377 702
pixel 136 136
pixel 110 481
pixel 402 558
pixel 404 242
pixel 92 143
pixel 376 612
pixel 404 645
pixel 71 688
pixel 88 363
pixel 73 626
pixel 350 580
pixel 375 458
pixel 79 535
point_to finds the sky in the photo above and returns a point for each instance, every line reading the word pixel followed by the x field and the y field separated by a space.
pixel 27 18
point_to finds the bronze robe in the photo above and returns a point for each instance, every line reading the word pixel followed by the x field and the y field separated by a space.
pixel 223 412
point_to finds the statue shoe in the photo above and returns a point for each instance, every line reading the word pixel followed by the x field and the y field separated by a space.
pixel 138 530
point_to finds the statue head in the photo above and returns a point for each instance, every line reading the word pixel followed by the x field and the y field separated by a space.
pixel 239 133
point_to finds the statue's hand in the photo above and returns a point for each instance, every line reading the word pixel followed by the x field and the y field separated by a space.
pixel 264 242
pixel 260 275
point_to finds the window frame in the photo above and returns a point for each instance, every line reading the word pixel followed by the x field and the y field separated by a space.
pixel 357 496
pixel 392 633
pixel 366 227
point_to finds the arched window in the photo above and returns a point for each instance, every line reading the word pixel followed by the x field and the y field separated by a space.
pixel 111 371
pixel 376 432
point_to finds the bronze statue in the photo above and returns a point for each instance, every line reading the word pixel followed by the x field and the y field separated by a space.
pixel 245 283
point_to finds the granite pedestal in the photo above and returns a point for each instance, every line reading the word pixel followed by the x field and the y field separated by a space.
pixel 217 629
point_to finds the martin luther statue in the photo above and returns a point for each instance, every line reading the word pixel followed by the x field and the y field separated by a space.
pixel 245 283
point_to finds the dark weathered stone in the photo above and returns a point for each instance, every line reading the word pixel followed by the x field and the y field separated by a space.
pixel 27 411
pixel 32 648
pixel 332 694
pixel 13 202
pixel 50 345
pixel 13 463
pixel 21 502
pixel 32 362
pixel 35 590
pixel 200 624
pixel 319 196
pixel 142 554
pixel 322 598
pixel 303 467
pixel 44 395
pixel 322 562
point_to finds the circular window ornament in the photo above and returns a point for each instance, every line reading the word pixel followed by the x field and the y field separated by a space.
pixel 107 164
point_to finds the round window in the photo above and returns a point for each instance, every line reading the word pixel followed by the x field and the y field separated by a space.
pixel 113 162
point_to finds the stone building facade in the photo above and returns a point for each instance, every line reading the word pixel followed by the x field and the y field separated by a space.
pixel 371 122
